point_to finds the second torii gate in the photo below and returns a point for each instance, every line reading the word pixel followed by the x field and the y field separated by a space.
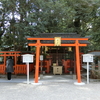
pixel 38 44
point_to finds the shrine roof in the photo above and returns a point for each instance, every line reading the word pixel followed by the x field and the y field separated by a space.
pixel 62 35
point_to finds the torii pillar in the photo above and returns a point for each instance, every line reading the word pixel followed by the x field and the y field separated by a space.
pixel 37 61
pixel 78 65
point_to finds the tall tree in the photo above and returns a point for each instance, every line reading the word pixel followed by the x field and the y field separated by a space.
pixel 30 17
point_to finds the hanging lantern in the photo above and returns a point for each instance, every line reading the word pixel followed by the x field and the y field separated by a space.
pixel 69 48
pixel 46 48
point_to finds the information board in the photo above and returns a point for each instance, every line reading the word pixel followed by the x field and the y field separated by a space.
pixel 87 58
pixel 27 58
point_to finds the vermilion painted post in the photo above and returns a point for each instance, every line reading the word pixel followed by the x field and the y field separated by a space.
pixel 78 62
pixel 37 62
pixel 15 71
pixel 4 62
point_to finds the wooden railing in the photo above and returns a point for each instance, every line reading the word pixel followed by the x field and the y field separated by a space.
pixel 18 69
pixel 2 69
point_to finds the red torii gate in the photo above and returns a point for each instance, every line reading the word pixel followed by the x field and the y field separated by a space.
pixel 38 44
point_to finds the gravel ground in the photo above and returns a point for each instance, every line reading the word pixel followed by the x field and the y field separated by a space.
pixel 49 91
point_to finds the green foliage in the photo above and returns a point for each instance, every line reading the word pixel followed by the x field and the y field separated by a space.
pixel 23 18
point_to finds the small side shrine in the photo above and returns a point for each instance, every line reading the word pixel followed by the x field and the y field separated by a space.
pixel 60 49
pixel 19 66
